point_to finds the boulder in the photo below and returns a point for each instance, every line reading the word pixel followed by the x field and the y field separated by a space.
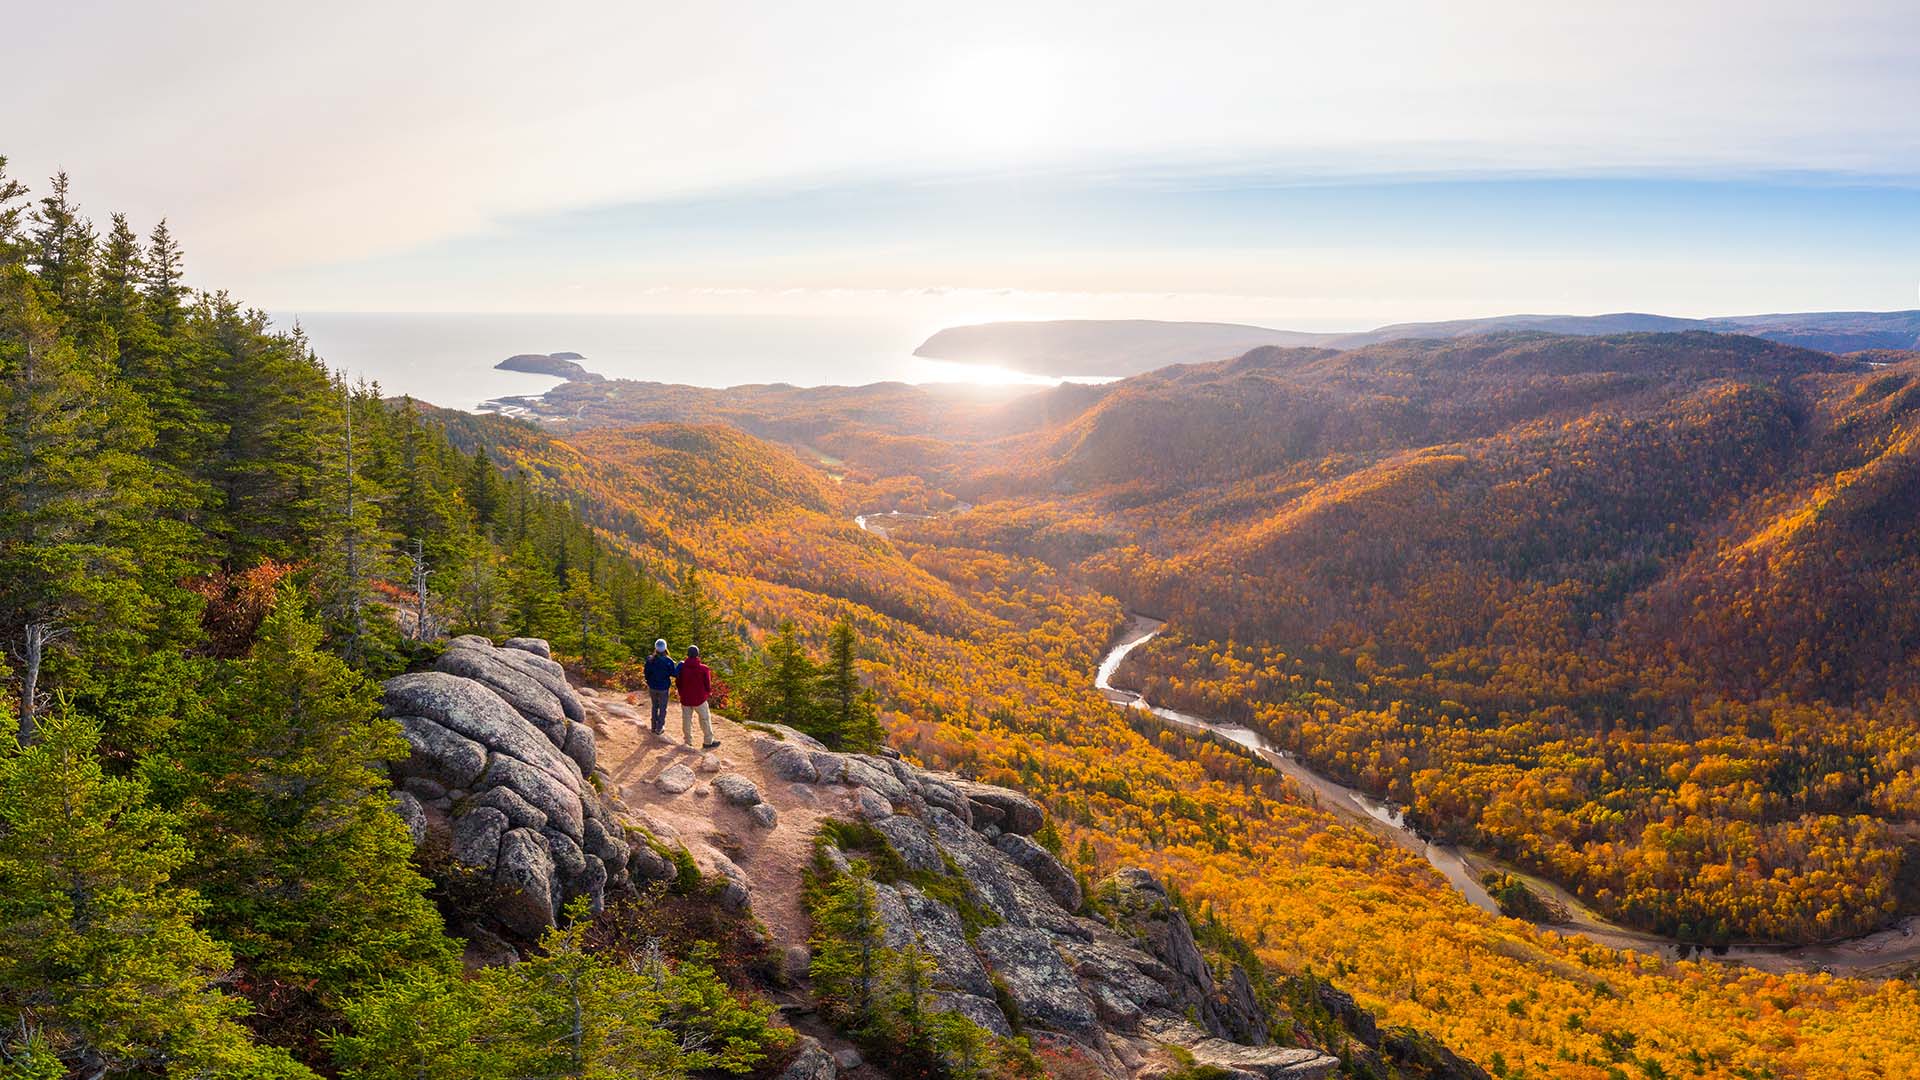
pixel 538 787
pixel 946 797
pixel 812 1062
pixel 579 746
pixel 605 843
pixel 525 868
pixel 427 791
pixel 550 675
pixel 737 790
pixel 1038 861
pixel 647 865
pixel 882 780
pixel 674 779
pixel 476 837
pixel 872 805
pixel 569 861
pixel 911 841
pixel 528 696
pixel 534 645
pixel 469 708
pixel 763 815
pixel 448 758
pixel 1004 807
pixel 829 767
pixel 982 1011
pixel 520 813
pixel 1038 981
pixel 407 805
pixel 792 763
pixel 848 1058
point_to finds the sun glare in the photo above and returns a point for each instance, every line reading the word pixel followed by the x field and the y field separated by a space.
pixel 996 100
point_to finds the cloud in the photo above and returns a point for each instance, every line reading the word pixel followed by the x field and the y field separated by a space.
pixel 284 139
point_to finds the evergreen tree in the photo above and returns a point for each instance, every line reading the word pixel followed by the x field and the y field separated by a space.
pixel 104 970
pixel 62 244
pixel 849 954
pixel 72 484
pixel 307 870
pixel 849 710
pixel 166 296
pixel 532 591
pixel 12 243
pixel 783 688
pixel 122 265
pixel 589 620
pixel 566 1012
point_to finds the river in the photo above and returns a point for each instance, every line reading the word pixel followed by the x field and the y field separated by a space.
pixel 1884 952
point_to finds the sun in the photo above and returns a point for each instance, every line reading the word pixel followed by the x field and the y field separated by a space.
pixel 998 101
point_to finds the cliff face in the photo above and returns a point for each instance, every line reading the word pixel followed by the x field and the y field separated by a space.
pixel 507 771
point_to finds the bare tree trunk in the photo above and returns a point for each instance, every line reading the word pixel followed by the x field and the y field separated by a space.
pixel 38 634
pixel 421 630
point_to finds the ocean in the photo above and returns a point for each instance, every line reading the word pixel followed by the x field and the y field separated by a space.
pixel 447 359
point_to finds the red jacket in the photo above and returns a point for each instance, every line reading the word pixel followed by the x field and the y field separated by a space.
pixel 696 682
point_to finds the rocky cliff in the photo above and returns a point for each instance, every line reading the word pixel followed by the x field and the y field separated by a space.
pixel 508 773
pixel 501 772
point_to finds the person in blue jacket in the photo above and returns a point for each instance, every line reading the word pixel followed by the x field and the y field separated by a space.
pixel 660 672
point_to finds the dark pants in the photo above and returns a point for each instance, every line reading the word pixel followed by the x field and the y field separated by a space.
pixel 659 708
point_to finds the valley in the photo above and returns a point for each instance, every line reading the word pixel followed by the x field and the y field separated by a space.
pixel 1883 952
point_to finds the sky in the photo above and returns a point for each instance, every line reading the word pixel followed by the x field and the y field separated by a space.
pixel 1308 165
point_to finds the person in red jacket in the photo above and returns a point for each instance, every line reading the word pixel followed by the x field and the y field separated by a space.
pixel 696 685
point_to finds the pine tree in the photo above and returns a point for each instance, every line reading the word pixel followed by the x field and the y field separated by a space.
pixel 307 869
pixel 532 591
pixel 166 296
pixel 849 954
pixel 566 1012
pixel 589 620
pixel 850 713
pixel 786 690
pixel 72 484
pixel 103 961
pixel 12 243
pixel 62 245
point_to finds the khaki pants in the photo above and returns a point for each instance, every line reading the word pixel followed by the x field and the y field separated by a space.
pixel 687 713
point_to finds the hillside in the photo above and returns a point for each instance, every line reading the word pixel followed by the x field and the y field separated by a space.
pixel 1096 347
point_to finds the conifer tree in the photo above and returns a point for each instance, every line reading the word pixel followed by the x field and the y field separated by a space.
pixel 849 956
pixel 166 296
pixel 849 708
pixel 103 968
pixel 307 870
pixel 12 244
pixel 62 246
pixel 785 691
pixel 72 483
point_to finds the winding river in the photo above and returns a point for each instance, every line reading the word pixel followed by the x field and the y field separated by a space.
pixel 1883 952
pixel 1886 952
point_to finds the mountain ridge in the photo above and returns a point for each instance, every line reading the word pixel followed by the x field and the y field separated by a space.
pixel 1118 348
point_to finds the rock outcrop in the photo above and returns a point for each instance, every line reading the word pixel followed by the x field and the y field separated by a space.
pixel 1020 951
pixel 500 769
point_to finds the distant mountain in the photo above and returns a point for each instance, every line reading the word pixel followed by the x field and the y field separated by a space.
pixel 1102 346
pixel 1133 346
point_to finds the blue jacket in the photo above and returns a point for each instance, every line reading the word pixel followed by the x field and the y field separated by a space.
pixel 660 671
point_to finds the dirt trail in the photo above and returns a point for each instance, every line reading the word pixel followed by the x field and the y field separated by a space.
pixel 714 831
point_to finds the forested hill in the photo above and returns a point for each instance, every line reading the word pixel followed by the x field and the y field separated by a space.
pixel 1130 347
